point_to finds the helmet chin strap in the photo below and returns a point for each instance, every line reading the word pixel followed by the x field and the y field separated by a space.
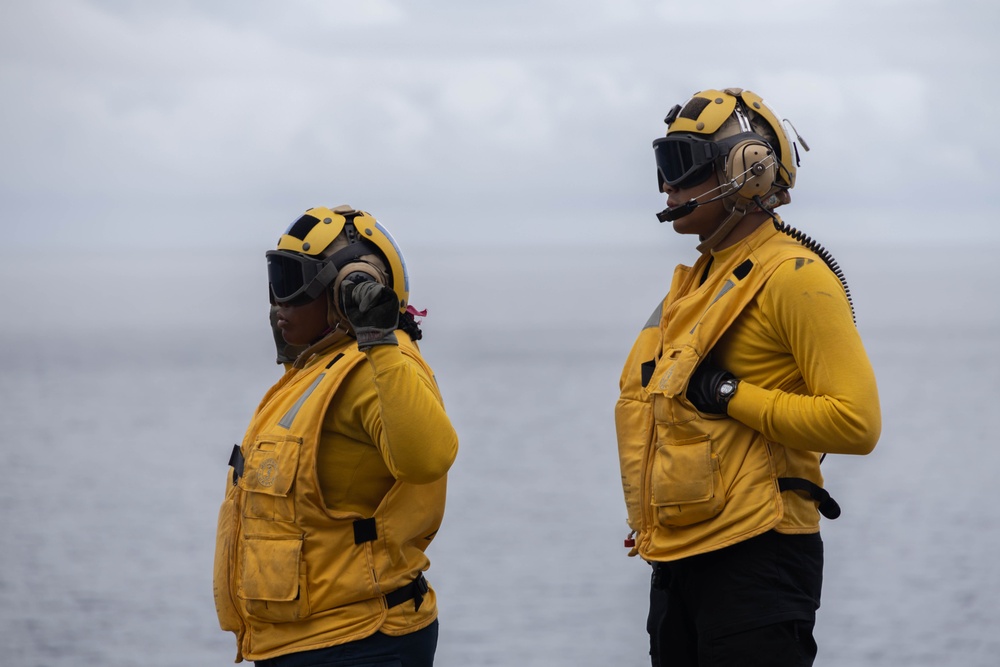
pixel 329 338
pixel 335 332
pixel 334 317
pixel 738 208
pixel 722 231
pixel 736 213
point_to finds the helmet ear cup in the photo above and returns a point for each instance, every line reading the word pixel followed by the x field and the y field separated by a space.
pixel 751 168
pixel 359 270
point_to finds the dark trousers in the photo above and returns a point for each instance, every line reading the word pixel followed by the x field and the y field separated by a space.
pixel 750 604
pixel 413 650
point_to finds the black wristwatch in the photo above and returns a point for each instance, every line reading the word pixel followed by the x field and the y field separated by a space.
pixel 726 391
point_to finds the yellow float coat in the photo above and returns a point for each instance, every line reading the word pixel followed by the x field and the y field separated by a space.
pixel 774 315
pixel 294 573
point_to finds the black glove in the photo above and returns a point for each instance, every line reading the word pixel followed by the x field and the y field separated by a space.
pixel 373 311
pixel 711 387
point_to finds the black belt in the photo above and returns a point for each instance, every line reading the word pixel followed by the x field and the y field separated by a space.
pixel 828 507
pixel 414 590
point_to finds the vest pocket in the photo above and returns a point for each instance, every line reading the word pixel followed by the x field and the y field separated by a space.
pixel 222 580
pixel 268 476
pixel 686 482
pixel 273 578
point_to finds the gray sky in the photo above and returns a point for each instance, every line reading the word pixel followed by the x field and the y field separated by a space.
pixel 190 124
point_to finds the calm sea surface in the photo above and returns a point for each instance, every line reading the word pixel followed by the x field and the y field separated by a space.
pixel 124 385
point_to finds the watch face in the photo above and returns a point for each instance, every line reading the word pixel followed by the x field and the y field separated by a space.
pixel 727 388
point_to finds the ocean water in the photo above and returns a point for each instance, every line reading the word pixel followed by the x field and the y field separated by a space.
pixel 124 384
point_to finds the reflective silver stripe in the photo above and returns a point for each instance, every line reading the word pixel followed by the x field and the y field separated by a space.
pixel 286 421
pixel 654 319
pixel 722 292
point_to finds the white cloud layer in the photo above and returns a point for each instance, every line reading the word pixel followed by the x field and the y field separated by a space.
pixel 165 123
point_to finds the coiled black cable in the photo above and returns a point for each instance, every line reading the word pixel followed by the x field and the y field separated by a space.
pixel 813 245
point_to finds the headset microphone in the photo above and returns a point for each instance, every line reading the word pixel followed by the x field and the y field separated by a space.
pixel 671 214
pixel 750 176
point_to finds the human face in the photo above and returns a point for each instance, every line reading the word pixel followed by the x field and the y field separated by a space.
pixel 303 325
pixel 707 217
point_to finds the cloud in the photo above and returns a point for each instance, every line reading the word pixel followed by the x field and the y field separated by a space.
pixel 226 113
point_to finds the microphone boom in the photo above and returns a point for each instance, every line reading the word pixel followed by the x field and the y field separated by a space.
pixel 671 214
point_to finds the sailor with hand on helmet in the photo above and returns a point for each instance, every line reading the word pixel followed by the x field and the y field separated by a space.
pixel 338 487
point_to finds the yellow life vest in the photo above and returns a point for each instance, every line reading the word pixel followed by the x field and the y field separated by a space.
pixel 290 573
pixel 694 483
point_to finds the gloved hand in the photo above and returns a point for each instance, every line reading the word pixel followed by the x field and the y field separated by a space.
pixel 373 311
pixel 705 388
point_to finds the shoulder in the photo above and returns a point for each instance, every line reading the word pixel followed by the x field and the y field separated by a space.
pixel 804 290
pixel 804 272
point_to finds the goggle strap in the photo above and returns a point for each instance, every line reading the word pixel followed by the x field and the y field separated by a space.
pixel 349 254
pixel 322 279
pixel 331 267
pixel 710 151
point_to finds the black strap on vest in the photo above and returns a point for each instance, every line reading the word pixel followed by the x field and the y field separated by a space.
pixel 743 269
pixel 236 460
pixel 365 531
pixel 704 274
pixel 828 507
pixel 646 370
pixel 415 590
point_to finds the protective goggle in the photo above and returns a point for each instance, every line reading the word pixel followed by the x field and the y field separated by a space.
pixel 683 161
pixel 296 279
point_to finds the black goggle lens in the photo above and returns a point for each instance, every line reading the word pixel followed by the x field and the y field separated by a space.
pixel 288 276
pixel 285 275
pixel 682 162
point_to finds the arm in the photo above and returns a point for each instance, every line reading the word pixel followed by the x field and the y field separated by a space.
pixel 400 409
pixel 398 406
pixel 834 407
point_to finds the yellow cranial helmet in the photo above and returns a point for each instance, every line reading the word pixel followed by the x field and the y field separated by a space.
pixel 707 129
pixel 324 246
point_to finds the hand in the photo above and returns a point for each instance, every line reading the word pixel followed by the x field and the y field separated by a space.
pixel 373 311
pixel 704 388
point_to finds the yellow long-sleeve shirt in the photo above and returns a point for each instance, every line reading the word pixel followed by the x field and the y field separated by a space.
pixel 371 440
pixel 805 379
